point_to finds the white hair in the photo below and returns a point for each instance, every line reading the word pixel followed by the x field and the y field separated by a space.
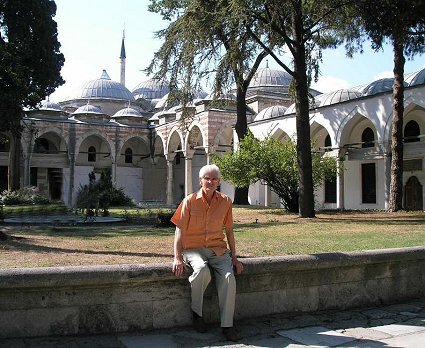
pixel 209 168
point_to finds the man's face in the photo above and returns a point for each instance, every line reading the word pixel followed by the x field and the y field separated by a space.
pixel 209 182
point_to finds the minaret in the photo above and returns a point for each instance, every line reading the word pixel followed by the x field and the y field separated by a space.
pixel 122 59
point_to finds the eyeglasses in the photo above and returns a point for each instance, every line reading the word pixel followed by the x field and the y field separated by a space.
pixel 207 178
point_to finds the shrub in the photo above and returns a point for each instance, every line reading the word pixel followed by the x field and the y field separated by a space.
pixel 25 195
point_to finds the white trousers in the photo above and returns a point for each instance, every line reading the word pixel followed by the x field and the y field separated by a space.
pixel 201 260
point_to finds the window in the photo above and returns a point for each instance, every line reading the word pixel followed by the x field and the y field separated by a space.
pixel 411 132
pixel 33 176
pixel 91 154
pixel 368 183
pixel 328 142
pixel 368 138
pixel 330 190
pixel 41 145
pixel 128 155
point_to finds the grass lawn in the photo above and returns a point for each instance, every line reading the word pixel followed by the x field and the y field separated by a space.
pixel 258 231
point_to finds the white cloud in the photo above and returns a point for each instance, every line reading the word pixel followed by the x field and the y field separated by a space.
pixel 330 83
pixel 383 75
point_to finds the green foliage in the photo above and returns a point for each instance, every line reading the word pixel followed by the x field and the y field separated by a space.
pixel 275 163
pixel 23 196
pixel 101 194
pixel 30 59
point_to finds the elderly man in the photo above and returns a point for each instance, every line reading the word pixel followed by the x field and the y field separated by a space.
pixel 200 242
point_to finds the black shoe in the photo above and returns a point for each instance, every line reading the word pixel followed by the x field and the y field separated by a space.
pixel 230 334
pixel 198 323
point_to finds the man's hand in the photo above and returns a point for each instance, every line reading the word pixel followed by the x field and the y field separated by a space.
pixel 178 267
pixel 237 265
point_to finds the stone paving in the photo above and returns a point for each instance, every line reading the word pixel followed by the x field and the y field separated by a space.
pixel 397 326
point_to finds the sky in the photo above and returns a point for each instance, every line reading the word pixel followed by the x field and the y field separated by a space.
pixel 90 33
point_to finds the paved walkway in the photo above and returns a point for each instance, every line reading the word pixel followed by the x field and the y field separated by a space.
pixel 399 325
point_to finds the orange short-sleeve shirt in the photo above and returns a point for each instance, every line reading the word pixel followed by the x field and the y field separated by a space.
pixel 202 225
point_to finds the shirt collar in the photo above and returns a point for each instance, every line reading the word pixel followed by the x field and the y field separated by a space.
pixel 199 195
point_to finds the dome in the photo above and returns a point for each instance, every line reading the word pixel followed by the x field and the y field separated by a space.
pixel 416 78
pixel 378 86
pixel 50 106
pixel 270 112
pixel 127 112
pixel 105 88
pixel 150 89
pixel 267 77
pixel 88 109
pixel 290 109
pixel 339 96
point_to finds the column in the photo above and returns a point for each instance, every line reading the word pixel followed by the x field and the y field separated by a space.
pixel 387 182
pixel 340 184
pixel 170 181
pixel 188 172
pixel 188 187
pixel 267 196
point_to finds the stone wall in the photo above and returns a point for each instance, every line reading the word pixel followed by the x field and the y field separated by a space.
pixel 124 298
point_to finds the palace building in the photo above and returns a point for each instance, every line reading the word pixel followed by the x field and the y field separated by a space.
pixel 138 137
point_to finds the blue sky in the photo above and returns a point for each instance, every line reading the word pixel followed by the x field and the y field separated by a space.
pixel 90 33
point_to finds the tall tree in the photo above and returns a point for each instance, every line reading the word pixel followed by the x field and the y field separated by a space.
pixel 30 64
pixel 402 22
pixel 303 28
pixel 203 39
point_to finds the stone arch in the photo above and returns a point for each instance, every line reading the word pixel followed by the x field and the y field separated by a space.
pixel 140 150
pixel 195 138
pixel 97 134
pixel 56 143
pixel 352 131
pixel 174 141
pixel 104 154
pixel 318 134
pixel 280 135
pixel 412 111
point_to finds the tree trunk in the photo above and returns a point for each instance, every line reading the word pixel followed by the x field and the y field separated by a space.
pixel 241 127
pixel 305 172
pixel 14 162
pixel 396 184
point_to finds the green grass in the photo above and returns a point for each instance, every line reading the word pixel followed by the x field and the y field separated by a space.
pixel 258 231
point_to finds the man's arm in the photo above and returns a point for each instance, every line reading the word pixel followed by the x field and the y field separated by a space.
pixel 178 263
pixel 232 246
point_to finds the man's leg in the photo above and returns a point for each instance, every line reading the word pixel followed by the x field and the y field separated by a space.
pixel 226 287
pixel 199 279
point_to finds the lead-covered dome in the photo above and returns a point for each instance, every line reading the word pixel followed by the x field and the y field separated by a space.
pixel 129 116
pixel 266 77
pixel 150 89
pixel 338 96
pixel 416 78
pixel 50 106
pixel 105 88
pixel 271 112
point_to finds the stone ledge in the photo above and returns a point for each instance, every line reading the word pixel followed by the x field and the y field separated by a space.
pixel 123 298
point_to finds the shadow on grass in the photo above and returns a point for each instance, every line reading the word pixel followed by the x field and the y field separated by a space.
pixel 24 245
pixel 92 231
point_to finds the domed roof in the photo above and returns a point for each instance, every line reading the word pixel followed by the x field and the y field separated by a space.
pixel 379 86
pixel 50 106
pixel 416 78
pixel 87 109
pixel 270 112
pixel 127 112
pixel 105 88
pixel 150 89
pixel 268 77
pixel 338 96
